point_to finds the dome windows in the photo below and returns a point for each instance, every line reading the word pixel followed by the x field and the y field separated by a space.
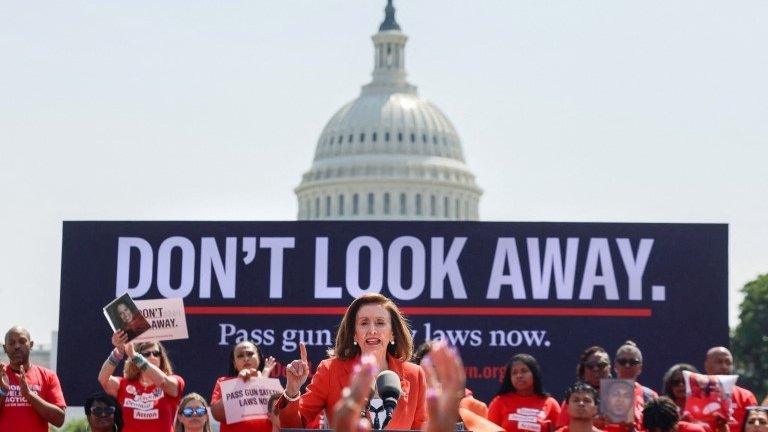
pixel 386 203
pixel 371 202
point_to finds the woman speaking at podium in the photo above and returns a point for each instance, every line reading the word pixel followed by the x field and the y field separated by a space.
pixel 372 325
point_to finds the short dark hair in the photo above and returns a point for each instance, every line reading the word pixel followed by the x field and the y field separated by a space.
pixel 582 387
pixel 421 351
pixel 109 401
pixel 586 355
pixel 532 364
pixel 660 414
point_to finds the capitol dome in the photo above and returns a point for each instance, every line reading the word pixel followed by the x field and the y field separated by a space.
pixel 389 154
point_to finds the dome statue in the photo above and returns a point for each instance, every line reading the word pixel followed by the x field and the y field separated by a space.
pixel 389 154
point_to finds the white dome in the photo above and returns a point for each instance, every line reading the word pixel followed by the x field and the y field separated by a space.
pixel 389 154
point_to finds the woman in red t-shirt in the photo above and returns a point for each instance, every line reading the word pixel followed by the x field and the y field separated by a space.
pixel 521 403
pixel 148 391
pixel 245 361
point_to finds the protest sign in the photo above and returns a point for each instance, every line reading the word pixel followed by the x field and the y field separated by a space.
pixel 166 318
pixel 617 400
pixel 247 400
pixel 123 314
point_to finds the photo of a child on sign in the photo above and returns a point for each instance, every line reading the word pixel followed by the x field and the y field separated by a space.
pixel 123 314
pixel 617 400
pixel 708 397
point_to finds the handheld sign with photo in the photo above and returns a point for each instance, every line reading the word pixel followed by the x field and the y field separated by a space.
pixel 247 400
pixel 166 318
pixel 617 400
pixel 123 314
pixel 708 397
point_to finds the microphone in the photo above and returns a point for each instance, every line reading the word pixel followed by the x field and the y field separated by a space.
pixel 389 390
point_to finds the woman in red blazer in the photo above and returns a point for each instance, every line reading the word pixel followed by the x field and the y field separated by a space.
pixel 372 325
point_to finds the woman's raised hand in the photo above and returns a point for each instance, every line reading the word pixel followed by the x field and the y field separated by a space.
pixel 296 373
pixel 446 382
pixel 346 417
pixel 119 339
pixel 130 350
pixel 247 374
pixel 269 364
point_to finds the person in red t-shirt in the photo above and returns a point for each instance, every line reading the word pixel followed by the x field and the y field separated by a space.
pixel 30 395
pixel 148 391
pixel 662 415
pixel 582 402
pixel 521 403
pixel 245 361
pixel 594 365
pixel 719 361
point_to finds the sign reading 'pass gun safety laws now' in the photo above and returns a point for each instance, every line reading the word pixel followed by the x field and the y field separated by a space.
pixel 247 400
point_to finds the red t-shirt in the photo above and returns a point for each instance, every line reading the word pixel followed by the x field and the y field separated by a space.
pixel 741 399
pixel 566 428
pixel 18 414
pixel 517 413
pixel 684 426
pixel 147 409
pixel 255 425
pixel 639 403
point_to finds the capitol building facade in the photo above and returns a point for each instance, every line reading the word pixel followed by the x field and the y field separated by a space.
pixel 389 154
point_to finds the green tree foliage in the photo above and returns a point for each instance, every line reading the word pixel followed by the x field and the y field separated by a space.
pixel 750 340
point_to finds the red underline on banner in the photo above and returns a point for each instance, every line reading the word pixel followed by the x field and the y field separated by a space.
pixel 424 310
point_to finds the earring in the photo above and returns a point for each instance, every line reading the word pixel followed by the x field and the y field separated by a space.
pixel 392 342
pixel 354 342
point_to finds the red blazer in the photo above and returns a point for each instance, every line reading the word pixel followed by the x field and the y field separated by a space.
pixel 333 375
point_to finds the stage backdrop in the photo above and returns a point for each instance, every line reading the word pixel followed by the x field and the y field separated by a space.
pixel 492 289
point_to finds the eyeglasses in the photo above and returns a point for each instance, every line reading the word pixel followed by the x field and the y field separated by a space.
pixel 628 361
pixel 103 411
pixel 596 365
pixel 194 412
pixel 151 353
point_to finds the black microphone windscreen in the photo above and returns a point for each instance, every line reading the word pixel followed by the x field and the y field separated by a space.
pixel 388 386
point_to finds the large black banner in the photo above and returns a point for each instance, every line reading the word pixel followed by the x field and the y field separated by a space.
pixel 492 289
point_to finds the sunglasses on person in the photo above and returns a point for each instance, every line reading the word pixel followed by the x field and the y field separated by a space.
pixel 194 412
pixel 103 411
pixel 596 365
pixel 151 353
pixel 628 361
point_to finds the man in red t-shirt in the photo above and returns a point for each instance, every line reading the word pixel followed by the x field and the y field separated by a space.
pixel 719 361
pixel 582 402
pixel 30 395
pixel 660 415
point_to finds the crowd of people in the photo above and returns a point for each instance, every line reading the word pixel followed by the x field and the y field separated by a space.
pixel 373 336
